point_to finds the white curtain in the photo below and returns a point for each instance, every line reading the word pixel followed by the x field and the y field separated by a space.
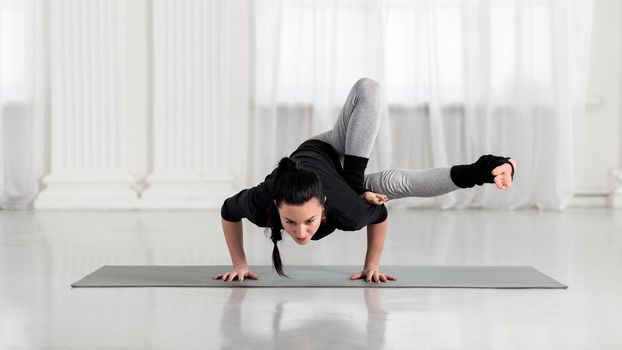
pixel 461 79
pixel 22 101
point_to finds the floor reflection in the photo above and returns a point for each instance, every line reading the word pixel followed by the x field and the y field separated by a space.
pixel 319 330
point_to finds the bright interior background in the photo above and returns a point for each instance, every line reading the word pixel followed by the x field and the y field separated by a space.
pixel 102 60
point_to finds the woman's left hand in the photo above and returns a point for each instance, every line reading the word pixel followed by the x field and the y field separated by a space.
pixel 371 274
pixel 374 198
pixel 503 175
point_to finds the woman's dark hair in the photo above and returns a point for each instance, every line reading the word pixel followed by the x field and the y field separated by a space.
pixel 292 185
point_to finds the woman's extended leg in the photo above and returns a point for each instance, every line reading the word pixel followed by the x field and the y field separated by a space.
pixel 398 183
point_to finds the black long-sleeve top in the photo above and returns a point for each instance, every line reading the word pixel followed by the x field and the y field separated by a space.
pixel 345 209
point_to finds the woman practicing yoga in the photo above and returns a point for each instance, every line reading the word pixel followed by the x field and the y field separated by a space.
pixel 310 194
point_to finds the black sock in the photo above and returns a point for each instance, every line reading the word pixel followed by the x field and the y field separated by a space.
pixel 354 172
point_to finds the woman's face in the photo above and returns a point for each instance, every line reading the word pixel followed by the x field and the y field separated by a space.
pixel 301 221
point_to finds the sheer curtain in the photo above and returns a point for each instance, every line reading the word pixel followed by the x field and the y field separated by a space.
pixel 461 79
pixel 22 101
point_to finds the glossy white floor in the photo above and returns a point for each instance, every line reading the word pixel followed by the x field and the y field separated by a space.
pixel 41 253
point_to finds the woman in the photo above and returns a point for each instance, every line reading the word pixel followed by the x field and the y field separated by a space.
pixel 310 194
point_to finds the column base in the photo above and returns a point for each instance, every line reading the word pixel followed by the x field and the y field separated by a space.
pixel 87 191
pixel 187 190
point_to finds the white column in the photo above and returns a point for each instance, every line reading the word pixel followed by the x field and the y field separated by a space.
pixel 193 103
pixel 88 107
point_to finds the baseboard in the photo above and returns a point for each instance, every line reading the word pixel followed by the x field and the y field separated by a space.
pixel 589 200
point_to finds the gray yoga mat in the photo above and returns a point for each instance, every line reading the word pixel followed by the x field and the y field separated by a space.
pixel 321 276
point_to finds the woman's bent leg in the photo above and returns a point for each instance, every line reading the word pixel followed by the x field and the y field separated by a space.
pixel 355 131
pixel 397 183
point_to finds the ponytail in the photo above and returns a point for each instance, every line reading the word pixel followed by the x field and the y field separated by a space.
pixel 276 236
pixel 292 185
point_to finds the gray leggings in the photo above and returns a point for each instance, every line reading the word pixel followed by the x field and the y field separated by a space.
pixel 354 134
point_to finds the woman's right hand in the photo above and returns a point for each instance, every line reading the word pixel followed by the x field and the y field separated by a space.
pixel 239 271
pixel 374 198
